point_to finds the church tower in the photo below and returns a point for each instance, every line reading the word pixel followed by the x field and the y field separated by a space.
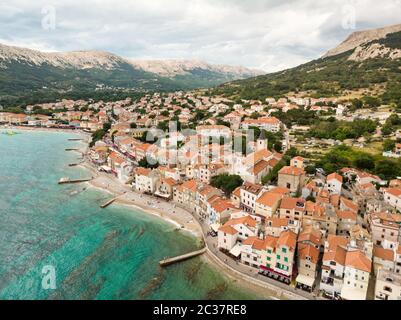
pixel 262 143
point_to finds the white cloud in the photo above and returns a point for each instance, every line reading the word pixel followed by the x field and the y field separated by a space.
pixel 268 34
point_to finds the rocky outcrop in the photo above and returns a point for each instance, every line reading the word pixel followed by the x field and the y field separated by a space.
pixel 360 38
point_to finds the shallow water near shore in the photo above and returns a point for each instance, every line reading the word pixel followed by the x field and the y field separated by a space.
pixel 97 253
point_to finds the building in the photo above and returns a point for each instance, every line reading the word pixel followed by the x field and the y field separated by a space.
pixel 267 204
pixel 356 276
pixel 269 124
pixel 388 285
pixel 249 194
pixel 292 178
pixel 146 180
pixel 385 229
pixel 334 183
pixel 392 196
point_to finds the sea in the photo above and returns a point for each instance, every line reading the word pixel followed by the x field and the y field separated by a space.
pixel 56 243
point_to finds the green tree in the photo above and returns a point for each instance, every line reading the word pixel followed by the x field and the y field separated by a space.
pixel 227 183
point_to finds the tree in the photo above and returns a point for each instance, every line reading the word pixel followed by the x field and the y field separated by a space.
pixel 145 164
pixel 227 183
pixel 364 162
pixel 388 145
pixel 97 136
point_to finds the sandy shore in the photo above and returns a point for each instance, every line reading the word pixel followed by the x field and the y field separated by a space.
pixel 169 212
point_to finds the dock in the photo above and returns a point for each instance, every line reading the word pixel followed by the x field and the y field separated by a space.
pixel 111 201
pixel 170 261
pixel 72 149
pixel 71 181
pixel 74 139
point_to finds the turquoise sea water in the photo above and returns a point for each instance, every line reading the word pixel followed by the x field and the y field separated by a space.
pixel 97 253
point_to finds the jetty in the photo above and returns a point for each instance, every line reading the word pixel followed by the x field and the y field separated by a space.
pixel 75 139
pixel 111 201
pixel 72 149
pixel 170 261
pixel 71 181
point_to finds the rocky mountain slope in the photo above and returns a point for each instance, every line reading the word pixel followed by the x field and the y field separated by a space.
pixel 359 38
pixel 25 72
pixel 369 61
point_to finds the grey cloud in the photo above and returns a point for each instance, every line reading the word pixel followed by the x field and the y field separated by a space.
pixel 268 34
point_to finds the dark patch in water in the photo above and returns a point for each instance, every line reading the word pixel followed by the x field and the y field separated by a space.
pixel 153 285
pixel 93 289
pixel 140 234
pixel 79 278
pixel 192 271
pixel 217 292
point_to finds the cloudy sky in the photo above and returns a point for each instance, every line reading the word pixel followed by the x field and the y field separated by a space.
pixel 264 34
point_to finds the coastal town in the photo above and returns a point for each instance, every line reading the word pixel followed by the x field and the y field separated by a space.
pixel 251 181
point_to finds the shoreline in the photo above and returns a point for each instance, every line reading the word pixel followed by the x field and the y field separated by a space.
pixel 179 218
pixel 172 214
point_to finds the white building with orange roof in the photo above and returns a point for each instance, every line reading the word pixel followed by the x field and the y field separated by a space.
pixel 219 210
pixel 334 183
pixel 267 204
pixel 274 226
pixel 383 259
pixel 227 238
pixel 385 229
pixel 346 220
pixel 249 194
pixel 356 276
pixel 292 208
pixel 285 253
pixel 333 265
pixel 308 265
pixel 203 194
pixel 388 285
pixel 270 124
pixel 146 180
pixel 165 188
pixel 185 194
pixel 291 178
pixel 236 197
pixel 298 162
pixel 251 252
pixel 392 196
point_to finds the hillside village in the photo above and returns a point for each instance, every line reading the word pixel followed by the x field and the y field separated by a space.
pixel 243 171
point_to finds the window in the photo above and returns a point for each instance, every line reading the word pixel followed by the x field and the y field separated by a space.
pixel 285 259
pixel 278 257
pixel 284 250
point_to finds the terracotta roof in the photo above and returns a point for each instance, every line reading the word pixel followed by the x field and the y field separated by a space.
pixel 338 255
pixel 228 229
pixel 259 167
pixel 393 191
pixel 237 192
pixel 384 254
pixel 309 234
pixel 335 176
pixel 293 171
pixel 247 221
pixel 307 250
pixel 357 260
pixel 347 215
pixel 143 171
pixel 336 241
pixel 269 199
pixel 288 238
pixel 292 203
